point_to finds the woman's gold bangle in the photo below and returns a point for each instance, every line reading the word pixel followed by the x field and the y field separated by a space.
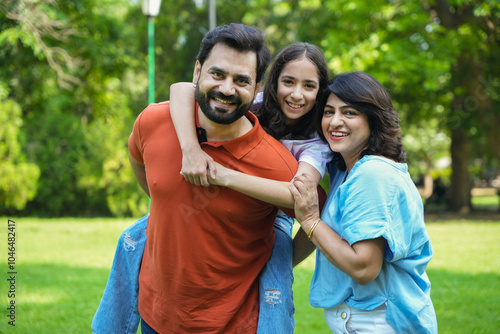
pixel 309 234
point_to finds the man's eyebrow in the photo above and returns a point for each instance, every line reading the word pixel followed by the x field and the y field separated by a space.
pixel 244 77
pixel 238 76
pixel 217 69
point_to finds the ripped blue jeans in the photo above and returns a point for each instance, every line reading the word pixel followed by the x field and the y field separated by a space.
pixel 118 310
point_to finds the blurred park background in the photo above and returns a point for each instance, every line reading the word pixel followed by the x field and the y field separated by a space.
pixel 74 76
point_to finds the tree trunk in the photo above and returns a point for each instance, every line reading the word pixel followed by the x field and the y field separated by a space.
pixel 459 196
pixel 480 88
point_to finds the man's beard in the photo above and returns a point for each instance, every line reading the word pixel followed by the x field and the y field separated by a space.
pixel 219 115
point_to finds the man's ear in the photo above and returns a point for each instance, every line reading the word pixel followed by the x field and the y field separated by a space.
pixel 196 73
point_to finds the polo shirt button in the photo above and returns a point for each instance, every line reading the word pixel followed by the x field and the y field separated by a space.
pixel 343 315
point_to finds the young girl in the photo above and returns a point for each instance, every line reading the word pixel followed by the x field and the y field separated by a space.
pixel 286 111
pixel 374 248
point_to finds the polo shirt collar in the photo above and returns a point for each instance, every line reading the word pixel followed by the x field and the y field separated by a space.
pixel 240 146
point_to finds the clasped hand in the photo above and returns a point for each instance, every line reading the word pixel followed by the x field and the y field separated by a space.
pixel 305 196
pixel 200 169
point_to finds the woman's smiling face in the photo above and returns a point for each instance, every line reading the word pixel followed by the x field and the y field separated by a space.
pixel 346 129
pixel 298 86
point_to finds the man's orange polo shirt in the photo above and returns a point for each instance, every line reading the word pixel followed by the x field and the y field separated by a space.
pixel 205 246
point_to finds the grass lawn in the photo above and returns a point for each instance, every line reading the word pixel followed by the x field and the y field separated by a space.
pixel 62 267
pixel 488 202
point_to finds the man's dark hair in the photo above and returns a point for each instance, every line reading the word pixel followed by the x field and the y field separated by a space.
pixel 241 38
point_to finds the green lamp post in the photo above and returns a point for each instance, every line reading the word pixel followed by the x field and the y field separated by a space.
pixel 151 8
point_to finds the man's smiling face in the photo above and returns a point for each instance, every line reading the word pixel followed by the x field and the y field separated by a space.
pixel 226 83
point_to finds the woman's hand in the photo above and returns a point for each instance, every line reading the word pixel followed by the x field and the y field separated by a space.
pixel 197 167
pixel 305 195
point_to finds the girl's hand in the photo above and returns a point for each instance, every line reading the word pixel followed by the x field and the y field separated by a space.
pixel 305 195
pixel 197 166
pixel 223 175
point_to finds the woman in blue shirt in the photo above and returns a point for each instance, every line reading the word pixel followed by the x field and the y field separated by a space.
pixel 373 245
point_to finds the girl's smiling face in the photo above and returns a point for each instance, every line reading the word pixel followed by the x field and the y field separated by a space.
pixel 346 129
pixel 298 86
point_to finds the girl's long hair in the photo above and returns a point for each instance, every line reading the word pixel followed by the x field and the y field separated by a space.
pixel 270 115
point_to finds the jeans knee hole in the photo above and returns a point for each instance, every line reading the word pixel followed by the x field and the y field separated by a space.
pixel 129 243
pixel 272 296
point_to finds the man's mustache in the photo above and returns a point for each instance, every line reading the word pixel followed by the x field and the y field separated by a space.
pixel 230 98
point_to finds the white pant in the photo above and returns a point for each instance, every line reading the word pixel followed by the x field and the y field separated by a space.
pixel 343 319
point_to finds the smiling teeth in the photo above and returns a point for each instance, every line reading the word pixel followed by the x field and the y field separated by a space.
pixel 222 101
pixel 339 134
pixel 293 105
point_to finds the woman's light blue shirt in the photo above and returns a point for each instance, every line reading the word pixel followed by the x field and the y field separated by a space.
pixel 379 199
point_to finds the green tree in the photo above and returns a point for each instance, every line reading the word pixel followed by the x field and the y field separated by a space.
pixel 73 68
pixel 474 28
pixel 437 58
pixel 18 178
pixel 78 71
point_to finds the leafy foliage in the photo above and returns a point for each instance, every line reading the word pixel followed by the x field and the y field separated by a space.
pixel 435 58
pixel 77 107
pixel 74 78
pixel 18 178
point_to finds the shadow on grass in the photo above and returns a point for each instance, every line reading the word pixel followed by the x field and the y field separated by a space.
pixel 475 215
